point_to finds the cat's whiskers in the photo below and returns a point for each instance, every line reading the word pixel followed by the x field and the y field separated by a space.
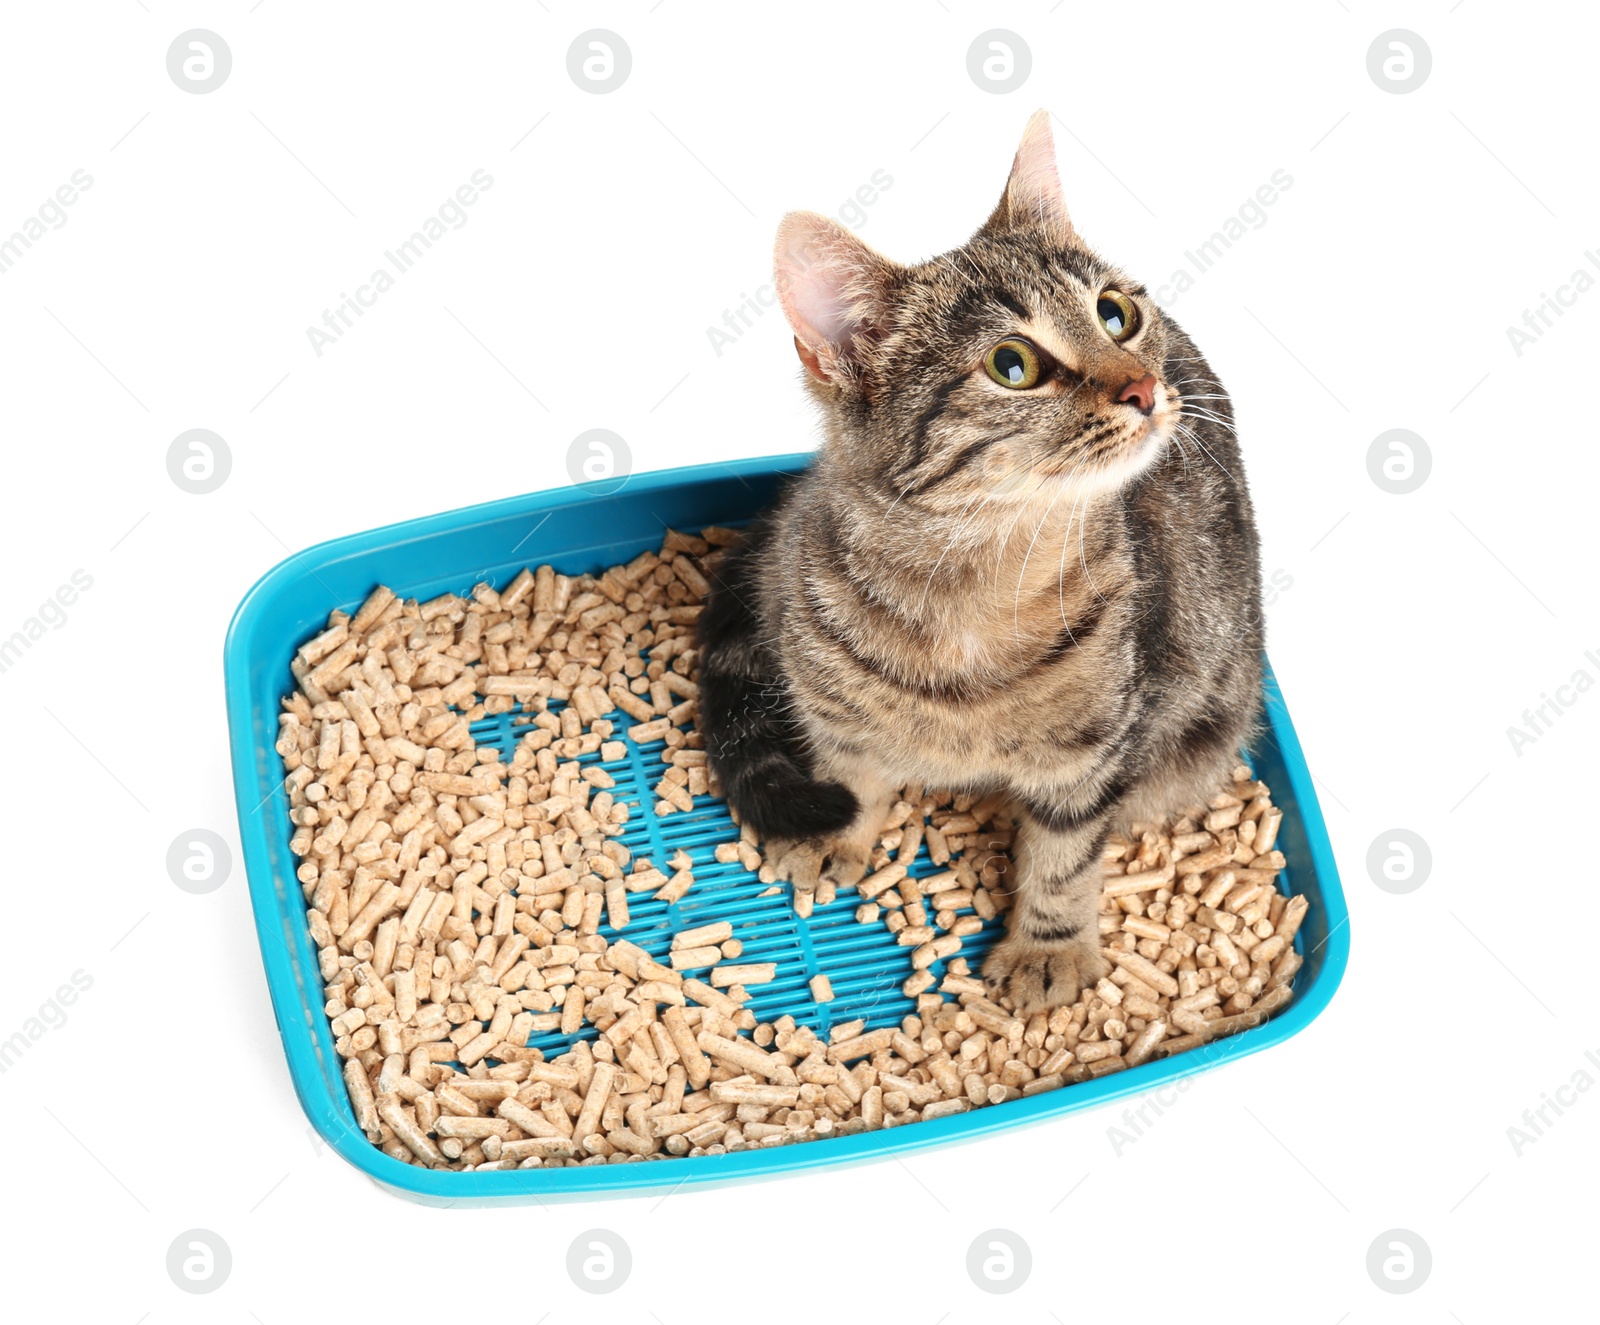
pixel 982 497
pixel 1016 601
pixel 1195 438
pixel 1061 567
pixel 1022 508
pixel 1183 453
pixel 1201 413
pixel 896 501
pixel 1185 400
pixel 1088 575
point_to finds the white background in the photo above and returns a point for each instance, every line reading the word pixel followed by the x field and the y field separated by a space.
pixel 619 227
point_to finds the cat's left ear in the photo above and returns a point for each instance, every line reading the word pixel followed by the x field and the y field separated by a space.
pixel 835 293
pixel 1033 193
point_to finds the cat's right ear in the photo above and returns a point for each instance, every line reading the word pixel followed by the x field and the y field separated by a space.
pixel 834 291
pixel 1033 200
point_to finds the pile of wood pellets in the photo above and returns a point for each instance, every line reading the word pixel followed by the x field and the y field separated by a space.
pixel 462 903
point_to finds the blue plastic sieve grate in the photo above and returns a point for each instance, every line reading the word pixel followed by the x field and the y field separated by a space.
pixel 583 531
pixel 863 963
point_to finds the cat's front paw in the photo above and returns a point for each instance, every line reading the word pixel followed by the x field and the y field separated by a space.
pixel 827 860
pixel 1033 976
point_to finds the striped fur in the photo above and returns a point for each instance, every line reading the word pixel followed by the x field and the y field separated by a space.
pixel 1043 591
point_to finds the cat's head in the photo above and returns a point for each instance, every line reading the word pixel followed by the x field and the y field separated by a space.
pixel 1010 366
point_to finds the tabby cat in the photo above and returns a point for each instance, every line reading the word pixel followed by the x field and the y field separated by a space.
pixel 1024 560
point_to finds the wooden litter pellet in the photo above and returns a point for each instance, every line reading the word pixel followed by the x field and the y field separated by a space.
pixel 751 973
pixel 464 899
pixel 702 935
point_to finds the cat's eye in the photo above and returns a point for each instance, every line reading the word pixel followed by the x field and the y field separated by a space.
pixel 1013 363
pixel 1118 314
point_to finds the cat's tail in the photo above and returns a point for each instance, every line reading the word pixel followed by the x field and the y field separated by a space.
pixel 754 744
pixel 757 756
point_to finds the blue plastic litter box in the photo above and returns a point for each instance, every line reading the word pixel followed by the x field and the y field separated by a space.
pixel 580 530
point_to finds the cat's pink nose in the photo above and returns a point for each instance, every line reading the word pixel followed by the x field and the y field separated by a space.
pixel 1141 393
